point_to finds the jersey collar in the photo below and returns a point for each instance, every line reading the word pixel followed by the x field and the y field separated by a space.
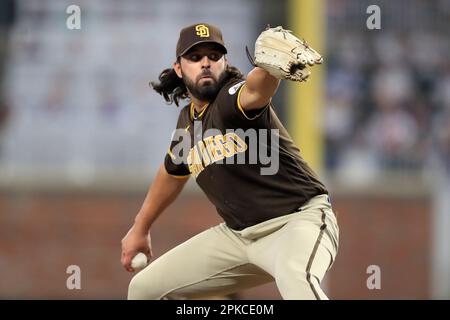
pixel 191 111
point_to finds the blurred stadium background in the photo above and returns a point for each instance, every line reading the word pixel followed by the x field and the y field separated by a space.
pixel 82 134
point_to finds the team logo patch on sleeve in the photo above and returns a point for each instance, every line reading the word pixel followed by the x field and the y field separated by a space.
pixel 235 88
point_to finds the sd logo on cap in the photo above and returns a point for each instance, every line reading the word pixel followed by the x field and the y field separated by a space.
pixel 202 30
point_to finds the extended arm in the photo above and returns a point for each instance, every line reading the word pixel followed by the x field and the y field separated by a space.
pixel 259 89
pixel 278 55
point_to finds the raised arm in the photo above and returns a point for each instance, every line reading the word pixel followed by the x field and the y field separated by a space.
pixel 278 55
pixel 259 89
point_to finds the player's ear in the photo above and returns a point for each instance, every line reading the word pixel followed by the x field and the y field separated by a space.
pixel 177 68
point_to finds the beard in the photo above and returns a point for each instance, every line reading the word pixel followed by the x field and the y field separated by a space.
pixel 208 89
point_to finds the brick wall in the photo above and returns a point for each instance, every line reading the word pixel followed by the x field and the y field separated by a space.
pixel 392 233
pixel 41 234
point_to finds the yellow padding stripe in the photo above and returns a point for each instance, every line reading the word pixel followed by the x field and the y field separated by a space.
pixel 180 177
pixel 171 154
pixel 242 109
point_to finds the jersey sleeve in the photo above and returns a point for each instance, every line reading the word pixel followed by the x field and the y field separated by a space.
pixel 175 169
pixel 175 161
pixel 232 110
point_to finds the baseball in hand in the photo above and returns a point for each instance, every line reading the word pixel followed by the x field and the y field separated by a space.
pixel 139 261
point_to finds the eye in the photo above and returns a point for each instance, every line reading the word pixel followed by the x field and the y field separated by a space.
pixel 214 56
pixel 194 57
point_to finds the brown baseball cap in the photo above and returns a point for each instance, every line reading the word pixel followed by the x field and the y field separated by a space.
pixel 198 33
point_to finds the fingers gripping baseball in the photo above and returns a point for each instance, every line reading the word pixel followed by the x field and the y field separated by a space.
pixel 284 55
pixel 139 261
pixel 136 250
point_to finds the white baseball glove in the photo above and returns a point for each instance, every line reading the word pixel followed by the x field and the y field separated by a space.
pixel 283 55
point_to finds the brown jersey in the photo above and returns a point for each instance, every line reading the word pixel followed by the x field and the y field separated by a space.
pixel 224 164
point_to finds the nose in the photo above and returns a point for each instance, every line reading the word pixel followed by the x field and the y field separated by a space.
pixel 205 62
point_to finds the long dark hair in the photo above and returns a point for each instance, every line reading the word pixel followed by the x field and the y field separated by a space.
pixel 173 88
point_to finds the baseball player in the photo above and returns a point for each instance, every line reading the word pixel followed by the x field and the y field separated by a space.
pixel 277 227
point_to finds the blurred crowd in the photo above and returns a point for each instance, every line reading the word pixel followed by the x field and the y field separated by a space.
pixel 388 90
pixel 7 18
pixel 80 100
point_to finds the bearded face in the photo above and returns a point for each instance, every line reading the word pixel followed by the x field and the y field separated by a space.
pixel 206 86
pixel 203 70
